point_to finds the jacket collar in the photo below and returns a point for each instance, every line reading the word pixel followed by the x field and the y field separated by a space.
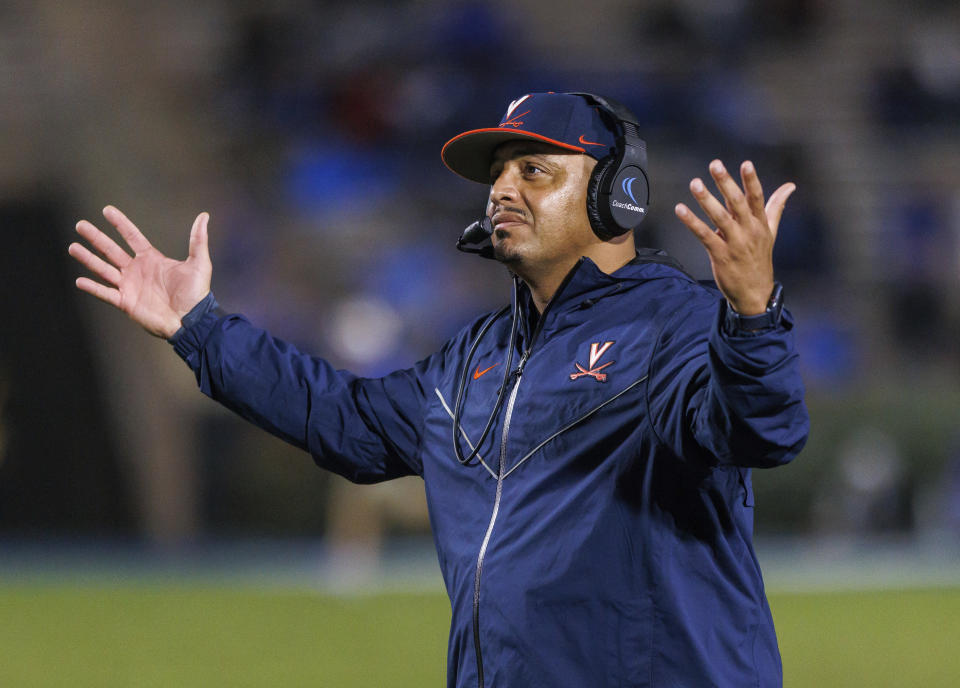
pixel 586 283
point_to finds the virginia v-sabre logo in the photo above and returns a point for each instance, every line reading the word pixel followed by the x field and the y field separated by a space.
pixel 513 106
pixel 596 352
pixel 511 119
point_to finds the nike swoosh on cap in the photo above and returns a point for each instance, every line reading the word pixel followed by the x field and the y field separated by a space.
pixel 589 143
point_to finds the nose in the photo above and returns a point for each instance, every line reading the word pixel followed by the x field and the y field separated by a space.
pixel 504 188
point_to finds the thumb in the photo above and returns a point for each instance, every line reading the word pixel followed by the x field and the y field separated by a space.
pixel 199 245
pixel 774 208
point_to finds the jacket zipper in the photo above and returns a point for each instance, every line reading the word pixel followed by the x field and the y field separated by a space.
pixel 493 516
pixel 503 462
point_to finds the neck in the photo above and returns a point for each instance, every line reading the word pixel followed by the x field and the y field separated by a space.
pixel 608 256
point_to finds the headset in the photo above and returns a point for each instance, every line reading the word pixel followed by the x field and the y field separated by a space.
pixel 618 192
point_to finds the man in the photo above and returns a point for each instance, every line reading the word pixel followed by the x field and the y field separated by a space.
pixel 593 518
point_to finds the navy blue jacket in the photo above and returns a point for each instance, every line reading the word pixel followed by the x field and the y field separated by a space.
pixel 605 538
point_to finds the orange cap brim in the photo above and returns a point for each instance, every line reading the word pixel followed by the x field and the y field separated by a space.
pixel 469 154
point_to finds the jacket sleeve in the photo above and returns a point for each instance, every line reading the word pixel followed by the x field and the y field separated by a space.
pixel 735 400
pixel 367 430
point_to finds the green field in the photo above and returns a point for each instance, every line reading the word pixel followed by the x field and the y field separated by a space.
pixel 197 635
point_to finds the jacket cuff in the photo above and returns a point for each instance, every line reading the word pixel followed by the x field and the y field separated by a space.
pixel 195 327
pixel 754 352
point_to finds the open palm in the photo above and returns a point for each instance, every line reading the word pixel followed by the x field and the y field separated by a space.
pixel 154 290
pixel 741 246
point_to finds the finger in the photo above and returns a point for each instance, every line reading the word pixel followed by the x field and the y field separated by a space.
pixel 95 263
pixel 711 206
pixel 710 239
pixel 100 241
pixel 736 203
pixel 774 209
pixel 199 239
pixel 104 293
pixel 133 236
pixel 753 188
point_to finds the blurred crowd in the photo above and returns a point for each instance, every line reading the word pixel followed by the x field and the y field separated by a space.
pixel 311 132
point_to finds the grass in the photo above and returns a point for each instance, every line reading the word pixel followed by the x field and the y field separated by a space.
pixel 195 635
pixel 200 636
pixel 870 638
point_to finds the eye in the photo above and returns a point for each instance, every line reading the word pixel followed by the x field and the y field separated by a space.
pixel 530 169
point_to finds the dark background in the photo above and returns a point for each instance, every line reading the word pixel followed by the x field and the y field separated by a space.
pixel 311 132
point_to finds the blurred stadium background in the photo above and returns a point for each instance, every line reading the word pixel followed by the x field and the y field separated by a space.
pixel 311 132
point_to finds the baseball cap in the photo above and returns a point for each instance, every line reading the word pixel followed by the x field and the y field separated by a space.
pixel 562 119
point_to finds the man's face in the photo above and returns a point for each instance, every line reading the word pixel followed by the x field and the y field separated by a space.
pixel 538 205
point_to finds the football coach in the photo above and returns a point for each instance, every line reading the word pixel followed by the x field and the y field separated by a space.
pixel 587 450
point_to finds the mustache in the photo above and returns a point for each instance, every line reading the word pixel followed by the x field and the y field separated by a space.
pixel 508 209
pixel 504 210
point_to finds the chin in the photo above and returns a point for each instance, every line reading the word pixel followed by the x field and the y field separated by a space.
pixel 507 256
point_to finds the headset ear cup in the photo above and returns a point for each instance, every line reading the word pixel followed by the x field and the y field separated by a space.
pixel 600 227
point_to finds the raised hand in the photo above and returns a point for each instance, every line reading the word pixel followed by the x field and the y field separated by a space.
pixel 741 246
pixel 155 291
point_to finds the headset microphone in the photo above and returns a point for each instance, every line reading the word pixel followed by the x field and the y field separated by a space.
pixel 478 234
pixel 475 234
